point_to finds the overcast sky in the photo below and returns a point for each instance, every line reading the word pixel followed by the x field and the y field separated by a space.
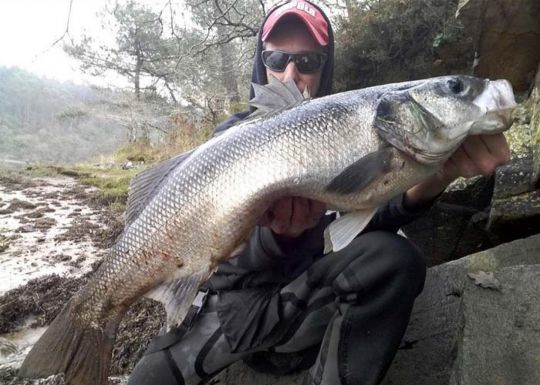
pixel 28 28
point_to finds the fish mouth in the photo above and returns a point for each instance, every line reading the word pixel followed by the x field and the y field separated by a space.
pixel 497 103
pixel 493 122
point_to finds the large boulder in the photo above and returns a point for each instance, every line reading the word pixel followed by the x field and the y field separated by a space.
pixel 506 36
pixel 476 322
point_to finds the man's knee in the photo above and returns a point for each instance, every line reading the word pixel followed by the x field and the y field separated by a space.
pixel 155 368
pixel 383 260
pixel 398 255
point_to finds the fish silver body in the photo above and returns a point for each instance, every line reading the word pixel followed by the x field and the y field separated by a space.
pixel 353 151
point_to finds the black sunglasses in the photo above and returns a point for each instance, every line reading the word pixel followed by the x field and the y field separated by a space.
pixel 306 62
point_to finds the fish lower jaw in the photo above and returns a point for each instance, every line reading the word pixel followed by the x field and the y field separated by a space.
pixel 426 158
pixel 432 159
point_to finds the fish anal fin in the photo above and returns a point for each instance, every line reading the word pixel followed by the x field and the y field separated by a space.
pixel 340 233
pixel 82 353
pixel 177 295
pixel 361 173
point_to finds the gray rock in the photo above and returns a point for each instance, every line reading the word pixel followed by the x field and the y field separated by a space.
pixel 515 216
pixel 480 213
pixel 514 178
pixel 450 231
pixel 463 334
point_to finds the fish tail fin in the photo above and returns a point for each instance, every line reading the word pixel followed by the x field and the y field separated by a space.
pixel 81 352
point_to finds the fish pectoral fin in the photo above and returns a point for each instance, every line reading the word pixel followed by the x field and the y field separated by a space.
pixel 177 295
pixel 344 229
pixel 361 173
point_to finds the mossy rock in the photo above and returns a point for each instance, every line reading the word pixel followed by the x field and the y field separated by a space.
pixel 535 134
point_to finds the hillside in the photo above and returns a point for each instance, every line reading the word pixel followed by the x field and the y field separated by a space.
pixel 43 120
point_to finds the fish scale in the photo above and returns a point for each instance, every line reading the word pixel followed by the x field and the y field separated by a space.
pixel 352 151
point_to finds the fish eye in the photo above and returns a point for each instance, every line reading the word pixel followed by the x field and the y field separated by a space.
pixel 455 86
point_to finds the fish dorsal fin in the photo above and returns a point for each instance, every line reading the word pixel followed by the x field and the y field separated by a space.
pixel 146 184
pixel 276 96
pixel 344 229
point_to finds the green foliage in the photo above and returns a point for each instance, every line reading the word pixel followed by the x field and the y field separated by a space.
pixel 138 50
pixel 205 63
pixel 385 41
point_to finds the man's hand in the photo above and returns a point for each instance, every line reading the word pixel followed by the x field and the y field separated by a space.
pixel 478 155
pixel 289 217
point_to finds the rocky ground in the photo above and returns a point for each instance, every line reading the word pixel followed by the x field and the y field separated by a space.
pixel 53 234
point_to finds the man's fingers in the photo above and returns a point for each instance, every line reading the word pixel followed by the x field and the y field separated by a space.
pixel 291 216
pixel 463 163
pixel 498 147
pixel 300 214
pixel 282 212
pixel 481 159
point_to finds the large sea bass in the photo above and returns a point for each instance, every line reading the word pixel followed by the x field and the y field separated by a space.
pixel 353 150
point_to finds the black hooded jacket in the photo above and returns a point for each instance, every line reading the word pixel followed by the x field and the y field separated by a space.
pixel 247 304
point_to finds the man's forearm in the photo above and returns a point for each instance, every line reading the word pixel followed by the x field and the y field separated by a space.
pixel 425 192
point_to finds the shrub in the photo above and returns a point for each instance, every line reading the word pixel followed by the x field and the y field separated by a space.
pixel 385 41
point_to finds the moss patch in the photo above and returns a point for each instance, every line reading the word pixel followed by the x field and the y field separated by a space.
pixel 113 182
pixel 519 135
pixel 535 132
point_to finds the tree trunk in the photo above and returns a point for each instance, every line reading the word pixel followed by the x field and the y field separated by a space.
pixel 227 69
pixel 138 67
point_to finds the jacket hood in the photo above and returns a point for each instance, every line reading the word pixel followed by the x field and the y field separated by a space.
pixel 258 75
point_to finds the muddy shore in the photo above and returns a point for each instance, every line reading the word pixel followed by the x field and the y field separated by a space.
pixel 53 234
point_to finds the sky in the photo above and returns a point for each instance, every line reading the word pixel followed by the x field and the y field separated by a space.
pixel 28 29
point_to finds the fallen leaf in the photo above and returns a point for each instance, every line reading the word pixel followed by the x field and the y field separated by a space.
pixel 485 280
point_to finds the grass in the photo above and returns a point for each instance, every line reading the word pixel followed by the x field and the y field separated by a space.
pixel 112 182
pixel 107 174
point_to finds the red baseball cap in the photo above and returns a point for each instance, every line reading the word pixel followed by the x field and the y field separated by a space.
pixel 309 14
